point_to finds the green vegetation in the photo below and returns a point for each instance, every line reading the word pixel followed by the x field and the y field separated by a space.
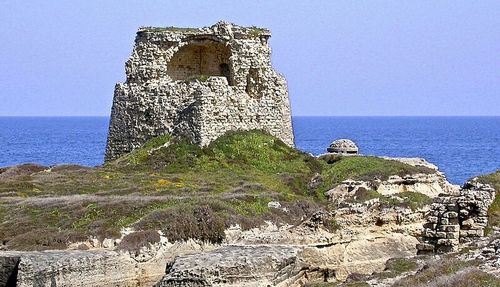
pixel 368 168
pixel 332 225
pixel 450 272
pixel 409 199
pixel 339 284
pixel 169 29
pixel 135 241
pixel 256 31
pixel 397 266
pixel 413 200
pixel 201 78
pixel 494 211
pixel 176 187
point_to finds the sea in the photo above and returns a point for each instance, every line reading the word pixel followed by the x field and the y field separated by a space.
pixel 462 147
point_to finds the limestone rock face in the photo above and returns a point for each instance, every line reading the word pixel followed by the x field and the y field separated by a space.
pixel 198 83
pixel 95 267
pixel 431 185
pixel 8 270
pixel 76 268
pixel 234 266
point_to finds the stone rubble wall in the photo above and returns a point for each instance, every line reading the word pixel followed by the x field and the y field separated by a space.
pixel 155 100
pixel 457 218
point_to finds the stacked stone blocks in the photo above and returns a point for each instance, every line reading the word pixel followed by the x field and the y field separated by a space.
pixel 456 219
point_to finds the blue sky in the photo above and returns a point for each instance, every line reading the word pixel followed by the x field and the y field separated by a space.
pixel 339 57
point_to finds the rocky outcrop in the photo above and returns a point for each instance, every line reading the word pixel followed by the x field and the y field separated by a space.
pixel 8 270
pixel 286 265
pixel 72 268
pixel 431 184
pixel 457 218
pixel 234 266
pixel 275 256
pixel 198 83
pixel 317 250
pixel 99 267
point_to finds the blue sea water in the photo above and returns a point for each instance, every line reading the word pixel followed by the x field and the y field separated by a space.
pixel 462 147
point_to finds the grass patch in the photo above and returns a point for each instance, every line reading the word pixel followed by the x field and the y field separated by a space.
pixel 338 284
pixel 407 199
pixel 433 270
pixel 493 179
pixel 367 169
pixel 397 266
pixel 363 194
pixel 141 155
pixel 201 78
pixel 332 225
pixel 179 188
pixel 168 29
pixel 257 31
pixel 412 200
pixel 133 242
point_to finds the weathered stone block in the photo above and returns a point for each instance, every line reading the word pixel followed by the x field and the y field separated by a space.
pixel 431 226
pixel 429 233
pixel 451 228
pixel 432 219
pixel 450 214
pixel 441 234
pixel 425 247
pixel 447 242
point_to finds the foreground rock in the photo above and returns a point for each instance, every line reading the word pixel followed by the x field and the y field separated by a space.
pixel 274 256
pixel 72 268
pixel 99 267
pixel 235 266
pixel 8 270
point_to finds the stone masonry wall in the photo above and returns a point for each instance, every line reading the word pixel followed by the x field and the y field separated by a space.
pixel 455 219
pixel 198 83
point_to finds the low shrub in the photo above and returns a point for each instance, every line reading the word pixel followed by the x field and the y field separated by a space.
pixel 397 266
pixel 44 239
pixel 133 242
pixel 438 271
pixel 186 222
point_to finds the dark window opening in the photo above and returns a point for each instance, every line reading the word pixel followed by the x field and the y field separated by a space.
pixel 201 59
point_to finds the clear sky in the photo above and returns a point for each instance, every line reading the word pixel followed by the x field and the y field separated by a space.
pixel 424 57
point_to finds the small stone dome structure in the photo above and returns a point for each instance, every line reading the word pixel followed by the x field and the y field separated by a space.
pixel 344 146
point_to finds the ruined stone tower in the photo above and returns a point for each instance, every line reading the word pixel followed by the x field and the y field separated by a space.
pixel 198 83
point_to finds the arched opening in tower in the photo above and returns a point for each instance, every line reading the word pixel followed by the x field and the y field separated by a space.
pixel 201 59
